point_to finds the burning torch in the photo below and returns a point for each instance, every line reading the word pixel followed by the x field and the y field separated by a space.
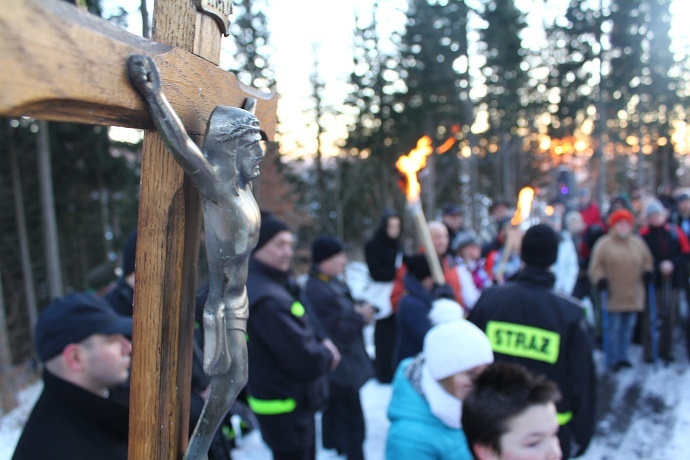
pixel 522 212
pixel 409 165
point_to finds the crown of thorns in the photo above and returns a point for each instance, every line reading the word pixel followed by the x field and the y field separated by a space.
pixel 238 131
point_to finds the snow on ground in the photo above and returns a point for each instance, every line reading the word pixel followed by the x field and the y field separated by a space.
pixel 375 398
pixel 644 412
pixel 645 415
pixel 11 424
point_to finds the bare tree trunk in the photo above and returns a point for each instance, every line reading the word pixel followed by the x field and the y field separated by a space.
pixel 666 154
pixel 599 170
pixel 600 153
pixel 514 145
pixel 8 391
pixel 106 221
pixel 472 171
pixel 317 88
pixel 145 29
pixel 22 234
pixel 602 179
pixel 50 235
pixel 506 160
pixel 497 166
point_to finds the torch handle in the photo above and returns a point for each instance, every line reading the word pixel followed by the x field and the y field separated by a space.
pixel 507 252
pixel 425 237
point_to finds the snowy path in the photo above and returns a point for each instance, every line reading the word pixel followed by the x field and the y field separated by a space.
pixel 644 413
pixel 646 417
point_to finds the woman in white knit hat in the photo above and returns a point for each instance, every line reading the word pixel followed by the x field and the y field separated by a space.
pixel 428 390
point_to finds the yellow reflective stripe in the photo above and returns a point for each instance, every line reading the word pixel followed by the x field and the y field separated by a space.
pixel 297 309
pixel 271 406
pixel 228 432
pixel 524 341
pixel 564 417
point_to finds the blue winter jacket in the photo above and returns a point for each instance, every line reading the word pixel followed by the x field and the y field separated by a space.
pixel 415 433
pixel 412 319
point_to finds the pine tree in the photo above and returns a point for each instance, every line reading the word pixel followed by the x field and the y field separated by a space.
pixel 431 51
pixel 642 84
pixel 367 170
pixel 251 56
pixel 505 72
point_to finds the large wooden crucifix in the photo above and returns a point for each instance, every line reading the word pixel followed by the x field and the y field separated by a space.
pixel 59 63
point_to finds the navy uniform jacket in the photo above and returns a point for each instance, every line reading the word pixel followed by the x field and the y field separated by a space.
pixel 332 305
pixel 528 324
pixel 288 364
pixel 71 423
pixel 121 298
pixel 413 319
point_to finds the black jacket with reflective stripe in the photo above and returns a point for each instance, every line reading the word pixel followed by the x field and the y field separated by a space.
pixel 287 360
pixel 527 323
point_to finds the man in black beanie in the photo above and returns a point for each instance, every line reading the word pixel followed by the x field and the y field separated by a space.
pixel 338 316
pixel 270 227
pixel 528 324
pixel 288 361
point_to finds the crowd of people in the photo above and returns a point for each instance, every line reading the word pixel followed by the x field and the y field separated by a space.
pixel 496 362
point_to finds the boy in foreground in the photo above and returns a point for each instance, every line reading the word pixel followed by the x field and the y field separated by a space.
pixel 511 415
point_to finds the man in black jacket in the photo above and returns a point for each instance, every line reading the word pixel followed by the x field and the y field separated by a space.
pixel 527 323
pixel 337 316
pixel 288 362
pixel 84 347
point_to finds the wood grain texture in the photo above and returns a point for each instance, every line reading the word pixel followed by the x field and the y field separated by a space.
pixel 62 64
pixel 166 267
pixel 168 251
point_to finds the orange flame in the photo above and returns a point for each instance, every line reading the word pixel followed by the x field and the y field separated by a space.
pixel 524 206
pixel 409 165
pixel 412 163
pixel 443 148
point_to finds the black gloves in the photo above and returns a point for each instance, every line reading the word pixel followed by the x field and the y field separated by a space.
pixel 442 292
pixel 603 284
pixel 648 277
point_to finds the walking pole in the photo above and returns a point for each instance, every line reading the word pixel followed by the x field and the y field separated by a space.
pixel 651 294
pixel 605 336
pixel 666 335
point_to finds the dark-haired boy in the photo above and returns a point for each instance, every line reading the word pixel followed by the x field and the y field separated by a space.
pixel 511 414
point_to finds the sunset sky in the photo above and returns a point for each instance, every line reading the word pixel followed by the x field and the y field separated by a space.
pixel 296 26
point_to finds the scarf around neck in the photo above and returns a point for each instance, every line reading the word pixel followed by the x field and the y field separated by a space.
pixel 442 404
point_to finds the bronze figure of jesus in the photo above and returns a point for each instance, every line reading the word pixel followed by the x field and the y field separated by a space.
pixel 222 170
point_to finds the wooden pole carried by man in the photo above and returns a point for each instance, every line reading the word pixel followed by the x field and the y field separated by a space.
pixel 60 63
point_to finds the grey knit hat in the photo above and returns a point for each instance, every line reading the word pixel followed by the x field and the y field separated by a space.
pixel 654 207
pixel 462 239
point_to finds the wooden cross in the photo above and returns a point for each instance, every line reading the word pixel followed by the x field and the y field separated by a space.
pixel 59 63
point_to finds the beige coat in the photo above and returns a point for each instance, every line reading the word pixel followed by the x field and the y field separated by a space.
pixel 622 261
